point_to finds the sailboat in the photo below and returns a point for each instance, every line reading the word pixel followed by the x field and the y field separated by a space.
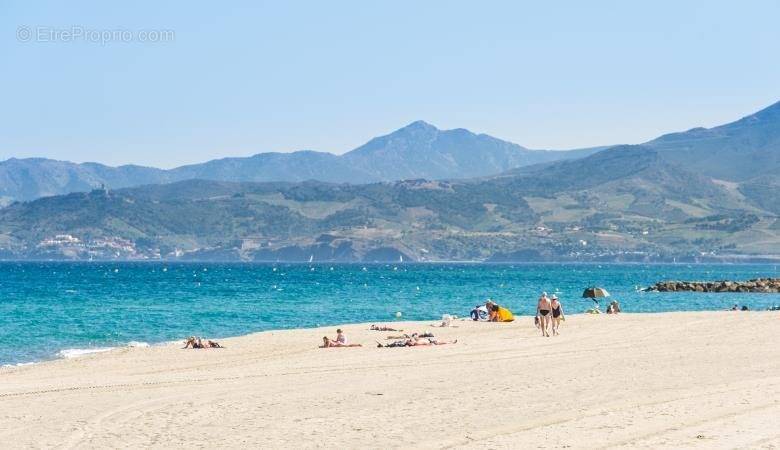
pixel 311 258
pixel 400 258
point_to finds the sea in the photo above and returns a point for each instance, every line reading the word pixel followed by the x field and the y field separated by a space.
pixel 52 310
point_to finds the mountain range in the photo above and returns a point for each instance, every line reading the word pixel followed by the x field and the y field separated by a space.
pixel 700 195
pixel 418 150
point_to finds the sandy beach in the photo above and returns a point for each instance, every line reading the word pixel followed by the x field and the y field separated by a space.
pixel 672 380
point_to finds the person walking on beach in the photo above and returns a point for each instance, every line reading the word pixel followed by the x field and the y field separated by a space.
pixel 557 314
pixel 543 308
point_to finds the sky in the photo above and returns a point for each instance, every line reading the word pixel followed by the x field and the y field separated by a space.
pixel 176 82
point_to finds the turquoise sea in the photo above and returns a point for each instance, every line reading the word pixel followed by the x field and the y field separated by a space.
pixel 54 309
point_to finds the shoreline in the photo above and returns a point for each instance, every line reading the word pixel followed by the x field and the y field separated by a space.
pixel 724 262
pixel 619 381
pixel 81 352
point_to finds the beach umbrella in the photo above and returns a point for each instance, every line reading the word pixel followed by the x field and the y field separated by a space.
pixel 595 293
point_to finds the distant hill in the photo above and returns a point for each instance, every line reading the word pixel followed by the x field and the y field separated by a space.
pixel 30 178
pixel 626 203
pixel 418 150
pixel 700 195
pixel 737 151
pixel 421 150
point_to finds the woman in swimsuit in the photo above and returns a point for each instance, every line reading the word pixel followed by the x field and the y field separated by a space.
pixel 543 308
pixel 557 314
pixel 340 341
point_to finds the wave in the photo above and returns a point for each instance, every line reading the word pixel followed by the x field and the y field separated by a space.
pixel 21 364
pixel 76 352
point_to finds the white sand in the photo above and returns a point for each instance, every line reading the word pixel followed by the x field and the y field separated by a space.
pixel 703 380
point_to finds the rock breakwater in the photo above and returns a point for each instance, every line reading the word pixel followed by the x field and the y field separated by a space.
pixel 759 285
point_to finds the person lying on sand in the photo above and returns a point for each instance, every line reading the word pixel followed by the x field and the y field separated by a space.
pixel 340 341
pixel 429 341
pixel 414 343
pixel 196 342
pixel 382 328
pixel 330 343
pixel 412 336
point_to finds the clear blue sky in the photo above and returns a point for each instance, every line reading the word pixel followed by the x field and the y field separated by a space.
pixel 246 77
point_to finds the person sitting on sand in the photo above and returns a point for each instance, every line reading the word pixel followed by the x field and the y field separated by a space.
pixel 340 338
pixel 500 314
pixel 493 311
pixel 543 308
pixel 614 307
pixel 735 307
pixel 382 328
pixel 193 342
pixel 557 314
pixel 340 341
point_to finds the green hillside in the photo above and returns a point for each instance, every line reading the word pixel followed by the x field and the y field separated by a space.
pixel 624 203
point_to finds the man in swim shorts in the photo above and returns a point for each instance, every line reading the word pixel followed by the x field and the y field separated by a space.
pixel 543 308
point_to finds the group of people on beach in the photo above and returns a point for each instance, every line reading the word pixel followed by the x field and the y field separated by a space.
pixel 548 318
pixel 413 340
pixel 491 312
pixel 339 341
pixel 549 314
pixel 403 340
pixel 197 342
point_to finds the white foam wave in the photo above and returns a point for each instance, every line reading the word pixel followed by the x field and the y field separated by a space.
pixel 76 352
pixel 22 364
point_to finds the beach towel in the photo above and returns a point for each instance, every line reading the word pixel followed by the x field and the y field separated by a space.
pixel 505 315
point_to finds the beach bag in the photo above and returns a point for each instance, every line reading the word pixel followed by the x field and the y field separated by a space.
pixel 480 314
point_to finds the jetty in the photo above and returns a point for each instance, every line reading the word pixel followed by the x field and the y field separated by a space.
pixel 758 285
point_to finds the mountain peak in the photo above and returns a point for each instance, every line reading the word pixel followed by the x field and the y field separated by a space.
pixel 419 125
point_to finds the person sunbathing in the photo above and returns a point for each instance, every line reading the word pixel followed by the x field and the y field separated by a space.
pixel 330 343
pixel 382 328
pixel 412 336
pixel 429 341
pixel 196 342
pixel 193 342
pixel 414 342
